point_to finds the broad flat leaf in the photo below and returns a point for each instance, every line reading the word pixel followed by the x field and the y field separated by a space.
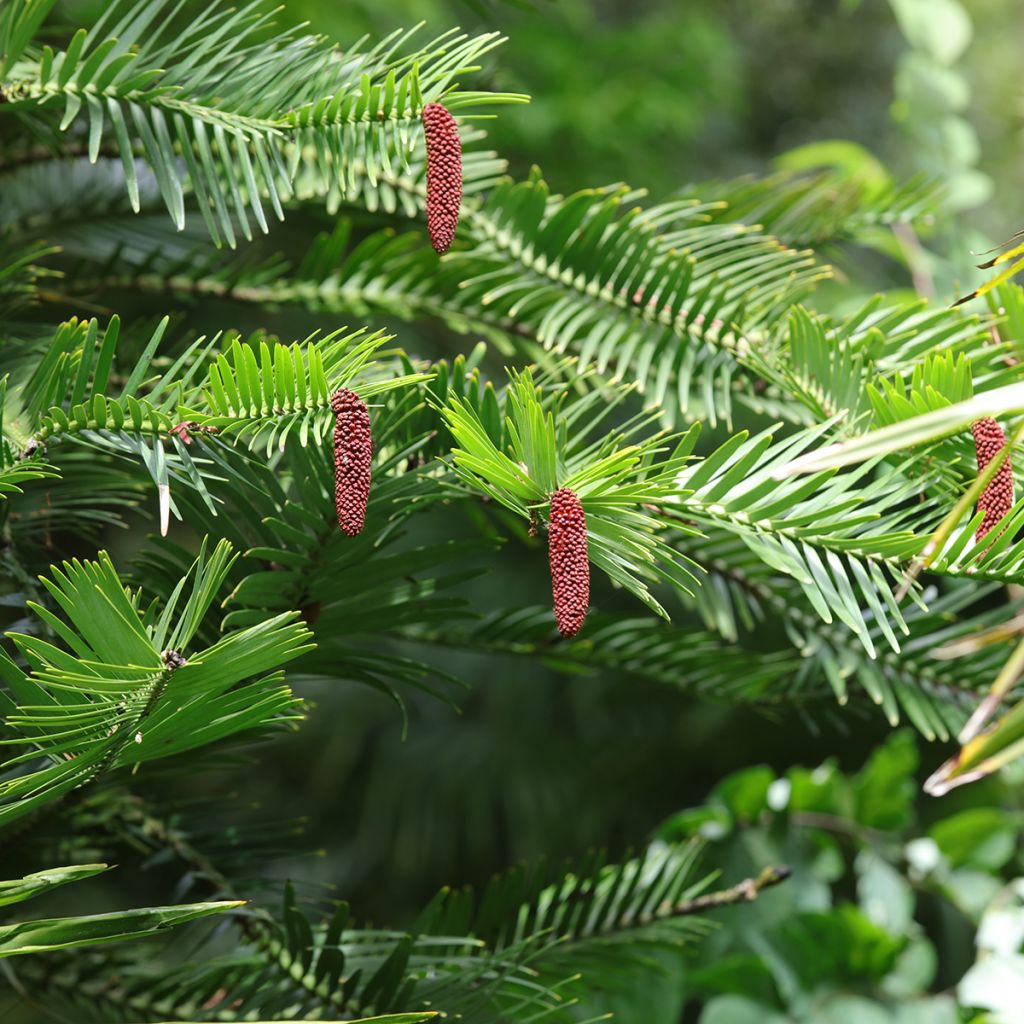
pixel 738 1010
pixel 981 837
pixel 997 984
pixel 938 1010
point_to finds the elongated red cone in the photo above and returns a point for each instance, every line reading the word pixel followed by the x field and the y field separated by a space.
pixel 353 452
pixel 570 565
pixel 444 175
pixel 997 498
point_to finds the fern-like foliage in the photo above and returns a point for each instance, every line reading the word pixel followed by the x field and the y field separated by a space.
pixel 492 957
pixel 122 687
pixel 637 293
pixel 820 207
pixel 214 103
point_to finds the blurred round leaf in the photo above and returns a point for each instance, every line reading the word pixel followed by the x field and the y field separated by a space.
pixel 982 837
pixel 939 27
pixel 925 86
pixel 737 1010
pixel 995 983
pixel 746 792
pixel 884 894
pixel 852 161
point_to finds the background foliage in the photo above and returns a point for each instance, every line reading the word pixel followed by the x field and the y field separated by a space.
pixel 789 713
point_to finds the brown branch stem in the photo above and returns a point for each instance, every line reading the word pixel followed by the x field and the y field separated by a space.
pixel 743 892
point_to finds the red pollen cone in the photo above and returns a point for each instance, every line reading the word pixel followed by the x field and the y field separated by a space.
pixel 570 566
pixel 444 175
pixel 997 498
pixel 353 452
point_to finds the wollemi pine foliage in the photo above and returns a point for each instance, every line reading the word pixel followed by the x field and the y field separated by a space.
pixel 743 494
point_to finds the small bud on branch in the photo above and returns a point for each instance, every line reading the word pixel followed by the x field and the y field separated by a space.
pixel 184 431
pixel 173 659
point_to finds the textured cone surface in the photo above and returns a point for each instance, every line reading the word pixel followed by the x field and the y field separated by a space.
pixel 997 498
pixel 570 566
pixel 444 175
pixel 353 452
